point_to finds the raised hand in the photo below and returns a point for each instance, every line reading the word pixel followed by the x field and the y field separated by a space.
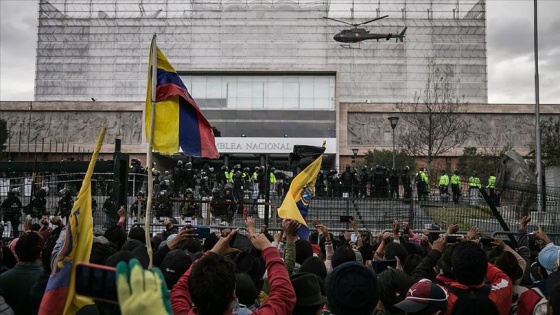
pixel 440 244
pixel 452 229
pixel 524 221
pixel 250 224
pixel 222 246
pixel 259 241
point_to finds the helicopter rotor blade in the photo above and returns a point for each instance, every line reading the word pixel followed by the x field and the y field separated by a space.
pixel 328 18
pixel 366 22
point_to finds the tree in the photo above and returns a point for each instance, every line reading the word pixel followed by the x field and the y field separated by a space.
pixel 550 142
pixel 435 120
pixel 385 158
pixel 483 163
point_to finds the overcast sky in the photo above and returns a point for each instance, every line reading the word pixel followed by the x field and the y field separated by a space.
pixel 509 43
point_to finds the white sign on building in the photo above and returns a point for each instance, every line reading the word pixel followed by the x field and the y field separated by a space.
pixel 270 145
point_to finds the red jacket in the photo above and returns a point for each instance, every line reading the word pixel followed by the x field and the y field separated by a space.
pixel 281 300
pixel 501 294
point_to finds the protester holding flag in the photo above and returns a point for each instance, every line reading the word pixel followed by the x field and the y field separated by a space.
pixel 297 200
pixel 60 296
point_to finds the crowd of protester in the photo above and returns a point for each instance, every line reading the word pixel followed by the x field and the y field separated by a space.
pixel 254 272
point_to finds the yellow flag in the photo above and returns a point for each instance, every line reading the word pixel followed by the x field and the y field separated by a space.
pixel 60 295
pixel 304 180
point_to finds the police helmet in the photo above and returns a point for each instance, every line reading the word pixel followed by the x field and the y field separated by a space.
pixel 189 164
pixel 42 192
pixel 272 169
pixel 189 191
pixel 406 168
pixel 246 169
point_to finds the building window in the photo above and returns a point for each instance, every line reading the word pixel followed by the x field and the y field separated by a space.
pixel 273 92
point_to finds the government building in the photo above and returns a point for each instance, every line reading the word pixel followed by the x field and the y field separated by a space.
pixel 267 75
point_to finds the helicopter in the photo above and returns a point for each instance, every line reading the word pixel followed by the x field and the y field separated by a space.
pixel 356 34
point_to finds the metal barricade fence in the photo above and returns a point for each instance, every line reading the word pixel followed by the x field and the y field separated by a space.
pixel 372 214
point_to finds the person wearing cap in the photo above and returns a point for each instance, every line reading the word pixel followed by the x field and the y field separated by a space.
pixel 548 256
pixel 424 298
pixel 311 293
pixel 174 265
pixel 352 289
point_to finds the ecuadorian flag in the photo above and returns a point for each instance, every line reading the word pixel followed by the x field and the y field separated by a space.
pixel 74 247
pixel 298 198
pixel 178 122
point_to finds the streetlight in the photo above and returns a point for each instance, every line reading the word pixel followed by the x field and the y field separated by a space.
pixel 393 120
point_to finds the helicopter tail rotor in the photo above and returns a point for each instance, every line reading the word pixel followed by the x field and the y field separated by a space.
pixel 401 35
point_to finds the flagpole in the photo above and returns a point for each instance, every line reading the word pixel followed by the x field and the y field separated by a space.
pixel 153 81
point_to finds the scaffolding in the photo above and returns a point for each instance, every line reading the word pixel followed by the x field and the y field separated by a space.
pixel 99 48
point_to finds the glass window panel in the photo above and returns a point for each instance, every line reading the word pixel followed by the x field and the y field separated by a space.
pixel 323 103
pixel 214 87
pixel 274 103
pixel 244 89
pixel 244 102
pixel 321 89
pixel 290 103
pixel 258 94
pixel 306 89
pixel 232 102
pixel 198 87
pixel 291 89
pixel 306 103
pixel 274 89
pixel 231 89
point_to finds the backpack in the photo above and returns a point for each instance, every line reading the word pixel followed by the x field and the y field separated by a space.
pixel 473 296
pixel 532 302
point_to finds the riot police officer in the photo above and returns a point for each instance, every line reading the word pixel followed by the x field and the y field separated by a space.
pixel 394 185
pixel 407 183
pixel 178 178
pixel 163 206
pixel 110 210
pixel 189 208
pixel 65 203
pixel 11 210
pixel 139 205
pixel 38 206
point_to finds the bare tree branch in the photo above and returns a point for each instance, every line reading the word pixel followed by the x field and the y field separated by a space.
pixel 435 117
